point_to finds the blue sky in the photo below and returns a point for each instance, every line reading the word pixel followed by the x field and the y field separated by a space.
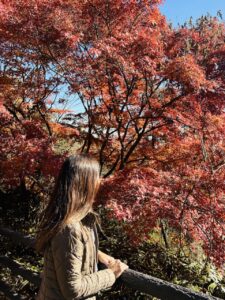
pixel 179 11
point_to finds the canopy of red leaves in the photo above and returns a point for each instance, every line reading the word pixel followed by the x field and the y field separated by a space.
pixel 153 101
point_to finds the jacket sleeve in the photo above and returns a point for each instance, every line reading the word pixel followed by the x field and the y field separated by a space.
pixel 67 250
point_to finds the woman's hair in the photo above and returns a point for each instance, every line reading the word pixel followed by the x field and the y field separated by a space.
pixel 75 190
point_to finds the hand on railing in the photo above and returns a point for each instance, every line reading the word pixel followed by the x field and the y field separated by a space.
pixel 118 267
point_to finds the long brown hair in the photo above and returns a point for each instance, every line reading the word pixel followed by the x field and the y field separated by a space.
pixel 75 190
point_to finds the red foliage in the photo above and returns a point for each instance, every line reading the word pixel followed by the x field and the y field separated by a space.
pixel 153 103
pixel 26 150
pixel 189 201
pixel 185 71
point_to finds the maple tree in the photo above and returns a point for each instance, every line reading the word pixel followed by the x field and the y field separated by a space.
pixel 29 131
pixel 153 109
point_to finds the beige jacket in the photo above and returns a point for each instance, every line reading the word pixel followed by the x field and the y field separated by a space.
pixel 69 264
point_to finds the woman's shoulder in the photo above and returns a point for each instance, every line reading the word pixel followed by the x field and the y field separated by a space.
pixel 72 227
pixel 68 231
pixel 89 220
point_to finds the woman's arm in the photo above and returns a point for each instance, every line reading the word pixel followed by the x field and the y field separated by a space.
pixel 67 249
pixel 105 258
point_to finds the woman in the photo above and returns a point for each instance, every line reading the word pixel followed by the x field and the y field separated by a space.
pixel 68 238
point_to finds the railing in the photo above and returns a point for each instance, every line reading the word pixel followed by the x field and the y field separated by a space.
pixel 133 279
